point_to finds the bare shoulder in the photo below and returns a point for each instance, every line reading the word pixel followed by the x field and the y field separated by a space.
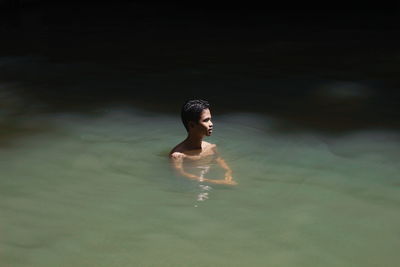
pixel 209 148
pixel 209 145
pixel 177 152
pixel 176 155
pixel 212 147
pixel 177 149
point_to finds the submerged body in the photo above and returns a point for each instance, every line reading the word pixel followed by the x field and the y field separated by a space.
pixel 196 117
pixel 205 156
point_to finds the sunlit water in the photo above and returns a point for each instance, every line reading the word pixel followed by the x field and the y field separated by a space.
pixel 98 190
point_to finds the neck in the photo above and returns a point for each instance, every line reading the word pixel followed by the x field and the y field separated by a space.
pixel 193 142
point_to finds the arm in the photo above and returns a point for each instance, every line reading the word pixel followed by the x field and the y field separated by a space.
pixel 177 160
pixel 225 166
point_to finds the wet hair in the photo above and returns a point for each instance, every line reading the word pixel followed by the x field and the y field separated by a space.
pixel 191 111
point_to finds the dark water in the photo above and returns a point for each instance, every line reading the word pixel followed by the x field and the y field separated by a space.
pixel 305 109
pixel 326 70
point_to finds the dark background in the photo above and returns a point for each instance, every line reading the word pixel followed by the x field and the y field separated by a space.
pixel 332 67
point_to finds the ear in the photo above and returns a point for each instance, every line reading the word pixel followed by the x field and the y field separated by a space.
pixel 191 124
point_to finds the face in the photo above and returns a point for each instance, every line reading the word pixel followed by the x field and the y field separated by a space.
pixel 204 126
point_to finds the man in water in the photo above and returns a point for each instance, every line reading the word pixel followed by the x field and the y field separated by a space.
pixel 196 118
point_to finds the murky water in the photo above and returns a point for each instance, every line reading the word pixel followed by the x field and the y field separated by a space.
pixel 98 190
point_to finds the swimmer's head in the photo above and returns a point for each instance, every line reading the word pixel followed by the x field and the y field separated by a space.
pixel 192 112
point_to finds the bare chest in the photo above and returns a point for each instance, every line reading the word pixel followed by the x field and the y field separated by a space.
pixel 196 155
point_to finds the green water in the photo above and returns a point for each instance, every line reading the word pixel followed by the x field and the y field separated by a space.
pixel 98 190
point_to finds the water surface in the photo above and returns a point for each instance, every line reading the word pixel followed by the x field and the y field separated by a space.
pixel 98 190
pixel 305 110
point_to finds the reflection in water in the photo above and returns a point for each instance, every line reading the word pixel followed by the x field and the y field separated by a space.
pixel 203 195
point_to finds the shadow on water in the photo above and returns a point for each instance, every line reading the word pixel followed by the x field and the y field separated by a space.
pixel 314 72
